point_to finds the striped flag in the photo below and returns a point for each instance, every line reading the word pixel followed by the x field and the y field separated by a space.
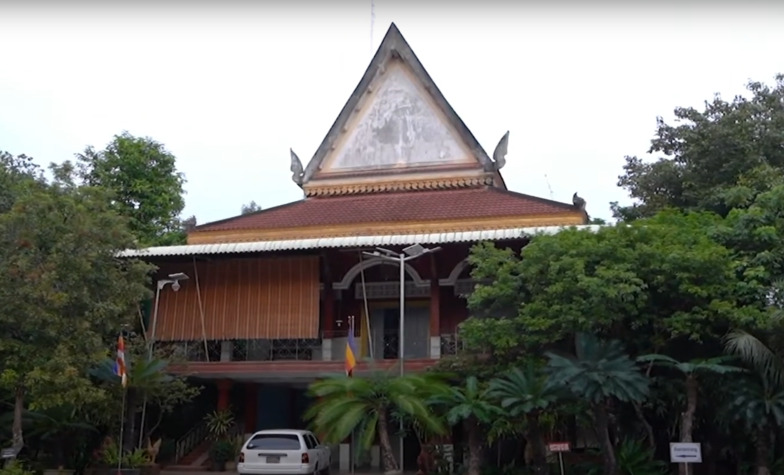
pixel 351 349
pixel 119 363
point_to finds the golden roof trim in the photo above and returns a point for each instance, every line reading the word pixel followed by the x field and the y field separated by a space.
pixel 408 185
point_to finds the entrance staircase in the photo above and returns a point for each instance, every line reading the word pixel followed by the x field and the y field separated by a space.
pixel 192 451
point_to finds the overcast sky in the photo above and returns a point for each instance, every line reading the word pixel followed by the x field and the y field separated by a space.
pixel 229 86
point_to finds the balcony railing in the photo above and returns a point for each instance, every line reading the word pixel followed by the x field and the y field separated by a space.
pixel 330 346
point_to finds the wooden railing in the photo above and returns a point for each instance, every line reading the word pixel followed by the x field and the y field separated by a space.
pixel 190 441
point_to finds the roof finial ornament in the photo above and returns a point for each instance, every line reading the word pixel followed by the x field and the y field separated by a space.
pixel 499 155
pixel 296 168
pixel 578 202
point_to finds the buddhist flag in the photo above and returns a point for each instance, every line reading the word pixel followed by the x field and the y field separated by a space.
pixel 351 349
pixel 119 363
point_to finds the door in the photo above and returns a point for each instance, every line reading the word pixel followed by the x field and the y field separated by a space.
pixel 385 331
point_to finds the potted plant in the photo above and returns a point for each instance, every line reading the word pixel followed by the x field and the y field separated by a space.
pixel 219 423
pixel 237 442
pixel 221 452
pixel 117 463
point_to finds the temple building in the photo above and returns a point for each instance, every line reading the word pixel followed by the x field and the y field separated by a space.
pixel 270 296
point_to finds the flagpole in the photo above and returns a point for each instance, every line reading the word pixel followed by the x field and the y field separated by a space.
pixel 122 430
pixel 352 459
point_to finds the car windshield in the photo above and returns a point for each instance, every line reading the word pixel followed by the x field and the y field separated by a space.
pixel 275 442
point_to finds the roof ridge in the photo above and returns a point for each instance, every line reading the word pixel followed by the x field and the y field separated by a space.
pixel 532 197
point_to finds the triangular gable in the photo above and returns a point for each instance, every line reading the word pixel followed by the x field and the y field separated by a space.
pixel 396 131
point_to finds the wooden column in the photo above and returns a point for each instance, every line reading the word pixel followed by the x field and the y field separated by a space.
pixel 329 311
pixel 251 407
pixel 224 393
pixel 435 308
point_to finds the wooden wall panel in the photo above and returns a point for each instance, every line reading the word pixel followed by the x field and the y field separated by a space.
pixel 253 298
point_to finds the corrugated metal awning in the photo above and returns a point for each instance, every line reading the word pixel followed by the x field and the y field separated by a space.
pixel 347 241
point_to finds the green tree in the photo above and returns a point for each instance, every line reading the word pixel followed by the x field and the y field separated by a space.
pixel 15 173
pixel 759 405
pixel 528 393
pixel 144 183
pixel 690 370
pixel 714 159
pixel 150 381
pixel 63 290
pixel 473 406
pixel 249 208
pixel 364 406
pixel 649 283
pixel 599 373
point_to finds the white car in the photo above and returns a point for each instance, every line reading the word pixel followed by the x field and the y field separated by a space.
pixel 282 452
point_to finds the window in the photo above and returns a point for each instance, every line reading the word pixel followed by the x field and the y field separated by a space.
pixel 309 442
pixel 275 442
pixel 315 439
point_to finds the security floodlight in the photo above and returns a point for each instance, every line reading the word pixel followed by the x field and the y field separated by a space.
pixel 176 285
pixel 415 250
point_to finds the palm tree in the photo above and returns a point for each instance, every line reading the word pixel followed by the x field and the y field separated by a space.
pixel 765 353
pixel 759 404
pixel 472 406
pixel 363 406
pixel 528 393
pixel 600 372
pixel 144 376
pixel 690 370
pixel 764 397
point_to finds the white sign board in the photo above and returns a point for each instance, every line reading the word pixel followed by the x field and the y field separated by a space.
pixel 685 452
pixel 8 453
pixel 558 446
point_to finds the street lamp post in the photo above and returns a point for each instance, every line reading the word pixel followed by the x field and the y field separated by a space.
pixel 409 253
pixel 174 280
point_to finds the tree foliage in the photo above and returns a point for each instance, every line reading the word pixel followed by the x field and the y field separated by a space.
pixel 249 208
pixel 715 159
pixel 145 186
pixel 63 290
pixel 664 278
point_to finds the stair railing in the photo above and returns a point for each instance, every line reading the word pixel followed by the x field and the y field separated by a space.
pixel 188 442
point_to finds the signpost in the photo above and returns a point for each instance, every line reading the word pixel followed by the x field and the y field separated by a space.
pixel 685 452
pixel 559 448
pixel 8 455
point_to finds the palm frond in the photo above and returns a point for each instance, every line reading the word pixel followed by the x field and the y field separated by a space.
pixel 756 353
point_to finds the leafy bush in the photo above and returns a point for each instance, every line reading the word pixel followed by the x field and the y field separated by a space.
pixel 15 468
pixel 634 458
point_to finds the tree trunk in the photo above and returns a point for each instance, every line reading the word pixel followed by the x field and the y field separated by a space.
pixel 687 419
pixel 387 457
pixel 762 452
pixel 602 421
pixel 648 428
pixel 474 448
pixel 538 448
pixel 16 427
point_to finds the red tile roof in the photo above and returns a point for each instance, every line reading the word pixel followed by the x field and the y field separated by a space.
pixel 406 206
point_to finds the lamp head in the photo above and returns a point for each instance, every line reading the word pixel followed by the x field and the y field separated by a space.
pixel 176 285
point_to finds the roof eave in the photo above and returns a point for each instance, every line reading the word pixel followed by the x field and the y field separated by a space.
pixel 348 242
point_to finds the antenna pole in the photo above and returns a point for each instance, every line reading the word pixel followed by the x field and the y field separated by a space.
pixel 372 22
pixel 547 180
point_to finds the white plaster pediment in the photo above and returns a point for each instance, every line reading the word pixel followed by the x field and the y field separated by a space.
pixel 398 126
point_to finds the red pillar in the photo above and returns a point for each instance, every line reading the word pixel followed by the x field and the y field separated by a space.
pixel 251 407
pixel 224 388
